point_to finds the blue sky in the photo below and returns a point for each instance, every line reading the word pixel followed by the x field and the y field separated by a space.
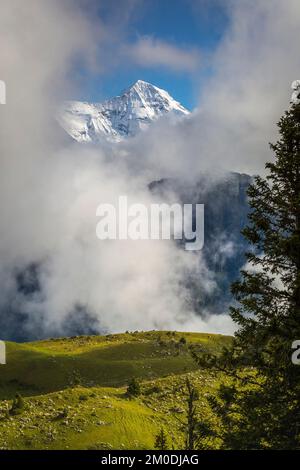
pixel 165 42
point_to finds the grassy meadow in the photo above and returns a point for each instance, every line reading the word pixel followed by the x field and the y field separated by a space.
pixel 74 390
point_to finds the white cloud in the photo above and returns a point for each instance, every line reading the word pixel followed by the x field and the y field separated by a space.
pixel 254 67
pixel 153 52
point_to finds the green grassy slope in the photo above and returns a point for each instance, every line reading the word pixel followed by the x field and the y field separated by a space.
pixel 75 389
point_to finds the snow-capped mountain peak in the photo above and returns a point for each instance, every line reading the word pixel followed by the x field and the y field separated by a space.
pixel 120 117
pixel 154 97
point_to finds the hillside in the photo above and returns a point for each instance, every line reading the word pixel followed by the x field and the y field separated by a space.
pixel 74 389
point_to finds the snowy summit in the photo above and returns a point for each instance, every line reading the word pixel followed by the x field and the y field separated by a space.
pixel 120 117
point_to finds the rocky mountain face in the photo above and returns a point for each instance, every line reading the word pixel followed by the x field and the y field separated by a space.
pixel 225 215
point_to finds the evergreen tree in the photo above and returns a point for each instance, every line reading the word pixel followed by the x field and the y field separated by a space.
pixel 134 388
pixel 191 436
pixel 161 441
pixel 195 427
pixel 17 405
pixel 261 408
